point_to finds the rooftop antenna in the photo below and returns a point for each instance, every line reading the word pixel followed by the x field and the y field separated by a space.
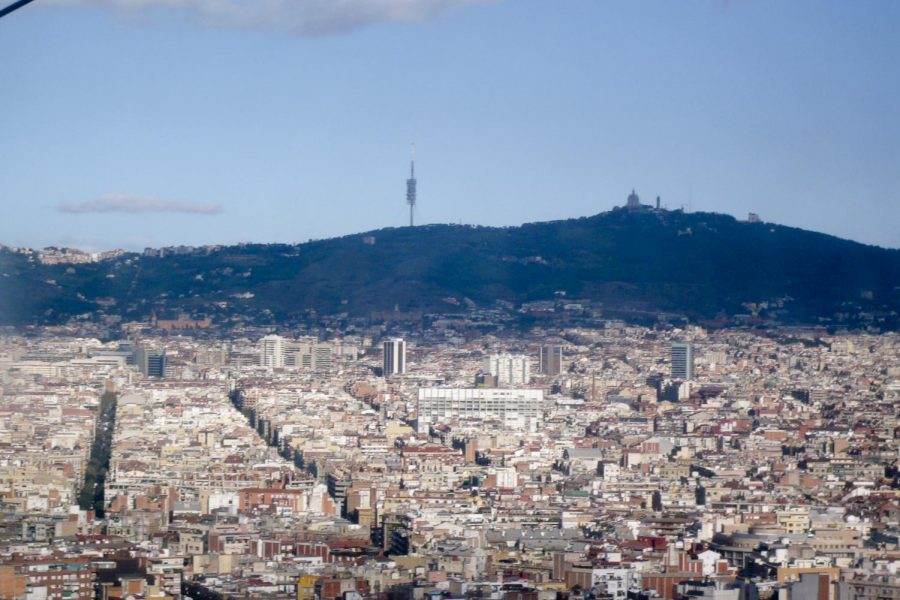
pixel 411 185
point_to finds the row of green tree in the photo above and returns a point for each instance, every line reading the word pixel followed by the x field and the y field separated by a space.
pixel 92 492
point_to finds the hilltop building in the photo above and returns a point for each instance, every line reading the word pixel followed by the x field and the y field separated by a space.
pixel 633 203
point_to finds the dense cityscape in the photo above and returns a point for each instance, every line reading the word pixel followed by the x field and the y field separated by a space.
pixel 350 300
pixel 393 461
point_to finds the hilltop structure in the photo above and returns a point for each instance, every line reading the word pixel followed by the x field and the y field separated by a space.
pixel 411 188
pixel 633 203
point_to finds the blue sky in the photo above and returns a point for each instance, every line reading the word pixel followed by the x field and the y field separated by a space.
pixel 220 121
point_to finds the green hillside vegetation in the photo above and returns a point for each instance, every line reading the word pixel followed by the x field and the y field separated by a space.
pixel 698 264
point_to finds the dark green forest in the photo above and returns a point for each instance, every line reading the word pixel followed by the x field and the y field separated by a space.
pixel 698 264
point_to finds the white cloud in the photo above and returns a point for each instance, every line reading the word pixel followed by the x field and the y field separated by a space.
pixel 133 204
pixel 304 17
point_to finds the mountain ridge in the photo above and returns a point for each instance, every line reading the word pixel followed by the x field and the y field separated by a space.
pixel 703 265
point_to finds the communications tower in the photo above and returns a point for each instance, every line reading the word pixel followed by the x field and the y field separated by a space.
pixel 411 186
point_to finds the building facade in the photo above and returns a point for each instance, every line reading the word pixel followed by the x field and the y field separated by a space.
pixel 394 357
pixel 516 409
pixel 509 369
pixel 683 361
pixel 551 360
pixel 150 361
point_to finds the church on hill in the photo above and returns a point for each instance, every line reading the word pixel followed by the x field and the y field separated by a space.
pixel 633 203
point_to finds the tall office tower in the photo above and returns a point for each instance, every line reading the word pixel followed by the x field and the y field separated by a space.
pixel 150 361
pixel 411 187
pixel 394 357
pixel 271 351
pixel 682 361
pixel 551 360
pixel 509 369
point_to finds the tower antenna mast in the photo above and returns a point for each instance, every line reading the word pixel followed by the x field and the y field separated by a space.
pixel 411 185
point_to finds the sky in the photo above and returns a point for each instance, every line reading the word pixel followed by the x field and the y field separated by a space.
pixel 135 123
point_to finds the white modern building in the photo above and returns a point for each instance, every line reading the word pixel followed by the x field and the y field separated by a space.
pixel 271 351
pixel 615 582
pixel 507 477
pixel 509 369
pixel 307 353
pixel 515 408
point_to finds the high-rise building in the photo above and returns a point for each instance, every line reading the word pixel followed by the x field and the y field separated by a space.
pixel 150 361
pixel 394 357
pixel 271 351
pixel 682 361
pixel 551 360
pixel 509 369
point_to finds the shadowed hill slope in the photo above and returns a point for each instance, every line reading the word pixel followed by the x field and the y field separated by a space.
pixel 699 264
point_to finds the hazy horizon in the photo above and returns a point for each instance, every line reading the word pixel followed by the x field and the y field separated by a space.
pixel 351 233
pixel 134 124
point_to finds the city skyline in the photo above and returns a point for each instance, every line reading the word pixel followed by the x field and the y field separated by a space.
pixel 132 129
pixel 190 461
pixel 245 355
